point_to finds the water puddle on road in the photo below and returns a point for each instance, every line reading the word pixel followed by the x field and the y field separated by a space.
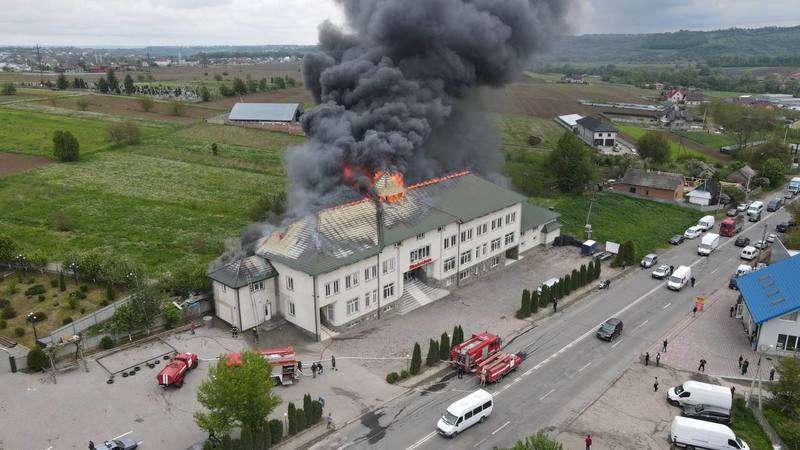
pixel 377 431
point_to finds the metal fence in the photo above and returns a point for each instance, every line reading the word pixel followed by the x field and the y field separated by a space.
pixel 84 323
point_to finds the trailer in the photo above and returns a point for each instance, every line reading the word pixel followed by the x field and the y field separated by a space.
pixel 474 350
pixel 283 362
pixel 497 366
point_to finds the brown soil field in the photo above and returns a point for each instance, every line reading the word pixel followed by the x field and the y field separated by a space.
pixel 291 95
pixel 11 163
pixel 127 106
pixel 547 100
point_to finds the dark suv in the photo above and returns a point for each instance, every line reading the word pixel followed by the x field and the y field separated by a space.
pixel 785 227
pixel 610 329
pixel 708 413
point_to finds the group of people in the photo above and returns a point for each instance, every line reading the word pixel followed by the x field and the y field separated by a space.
pixel 316 366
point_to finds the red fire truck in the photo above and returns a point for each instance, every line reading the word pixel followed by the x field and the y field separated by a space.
pixel 497 366
pixel 282 360
pixel 474 350
pixel 172 374
pixel 730 226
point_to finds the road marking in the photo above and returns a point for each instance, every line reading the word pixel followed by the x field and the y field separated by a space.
pixel 422 441
pixel 641 325
pixel 667 305
pixel 587 365
pixel 480 442
pixel 122 435
pixel 501 427
pixel 548 393
pixel 616 343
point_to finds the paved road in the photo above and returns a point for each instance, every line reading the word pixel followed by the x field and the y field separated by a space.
pixel 566 367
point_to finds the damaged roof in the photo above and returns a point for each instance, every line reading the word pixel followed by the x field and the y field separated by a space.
pixel 342 235
pixel 243 271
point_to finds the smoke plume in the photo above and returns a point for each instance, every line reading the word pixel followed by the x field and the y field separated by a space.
pixel 396 91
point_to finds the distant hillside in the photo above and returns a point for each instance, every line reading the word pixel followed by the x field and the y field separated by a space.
pixel 771 46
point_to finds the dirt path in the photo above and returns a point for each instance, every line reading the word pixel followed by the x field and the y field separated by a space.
pixel 11 163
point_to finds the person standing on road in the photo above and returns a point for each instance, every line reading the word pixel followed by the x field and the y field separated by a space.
pixel 702 366
pixel 772 374
pixel 733 308
pixel 694 311
pixel 329 420
pixel 555 306
pixel 655 385
pixel 745 365
pixel 193 326
pixel 664 346
pixel 733 391
pixel 658 358
pixel 333 362
pixel 692 280
pixel 460 371
pixel 740 361
pixel 483 377
pixel 588 441
pixel 647 358
pixel 91 446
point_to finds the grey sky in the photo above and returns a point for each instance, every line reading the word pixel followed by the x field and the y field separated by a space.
pixel 203 22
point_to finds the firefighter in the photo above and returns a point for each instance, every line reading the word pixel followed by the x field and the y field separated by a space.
pixel 483 377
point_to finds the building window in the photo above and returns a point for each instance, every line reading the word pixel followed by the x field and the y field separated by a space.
pixel 331 288
pixel 477 252
pixel 463 275
pixel 289 284
pixel 494 261
pixel 450 241
pixel 509 238
pixel 482 229
pixel 497 223
pixel 291 309
pixel 485 248
pixel 388 290
pixel 367 299
pixel 495 244
pixel 466 257
pixel 370 272
pixel 421 236
pixel 449 264
pixel 352 306
pixel 257 286
pixel 388 266
pixel 420 253
pixel 351 280
pixel 466 235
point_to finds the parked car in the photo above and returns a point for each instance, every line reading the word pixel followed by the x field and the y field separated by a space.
pixel 604 256
pixel 761 245
pixel 693 433
pixel 742 241
pixel 788 195
pixel 610 329
pixel 708 413
pixel 733 212
pixel 693 232
pixel 120 443
pixel 742 207
pixel 774 204
pixel 749 253
pixel 649 260
pixel 662 271
pixel 771 238
pixel 785 227
pixel 677 239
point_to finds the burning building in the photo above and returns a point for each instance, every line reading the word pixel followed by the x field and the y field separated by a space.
pixel 365 258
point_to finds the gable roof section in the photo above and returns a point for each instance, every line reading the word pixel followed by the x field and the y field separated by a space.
pixel 533 216
pixel 266 112
pixel 243 271
pixel 341 235
pixel 592 124
pixel 741 176
pixel 699 193
pixel 772 291
pixel 653 179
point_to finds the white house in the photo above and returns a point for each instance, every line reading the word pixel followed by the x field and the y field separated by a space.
pixel 699 197
pixel 770 306
pixel 245 291
pixel 365 258
pixel 597 134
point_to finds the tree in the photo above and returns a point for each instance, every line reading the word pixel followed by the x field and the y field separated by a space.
pixel 65 147
pixel 62 283
pixel 172 317
pixel 8 250
pixel 629 252
pixel 237 396
pixel 773 149
pixel 8 89
pixel 576 280
pixel 226 91
pixel 205 94
pixel 774 170
pixel 37 359
pixel 127 84
pixel 432 358
pixel 653 145
pixel 239 87
pixel 539 441
pixel 597 269
pixel 146 103
pixel 525 307
pixel 416 359
pixel 187 279
pixel 148 301
pixel 444 347
pixel 544 297
pixel 111 80
pixel 567 284
pixel 458 336
pixel 291 414
pixel 571 164
pixel 61 82
pixel 280 83
pixel 582 277
pixel 126 320
pixel 102 85
pixel 534 301
pixel 37 260
pixel 252 85
pixel 786 391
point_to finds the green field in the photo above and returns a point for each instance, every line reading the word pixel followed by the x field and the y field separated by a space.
pixel 515 130
pixel 786 427
pixel 746 427
pixel 676 150
pixel 31 132
pixel 712 140
pixel 619 218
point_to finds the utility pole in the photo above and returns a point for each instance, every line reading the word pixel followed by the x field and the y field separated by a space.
pixel 39 62
pixel 587 228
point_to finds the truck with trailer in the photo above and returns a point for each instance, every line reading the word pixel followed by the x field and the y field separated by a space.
pixel 173 373
pixel 495 367
pixel 474 350
pixel 731 226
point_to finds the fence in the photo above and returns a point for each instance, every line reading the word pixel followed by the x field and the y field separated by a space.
pixel 84 323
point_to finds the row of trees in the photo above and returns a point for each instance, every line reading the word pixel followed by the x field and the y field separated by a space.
pixel 532 300
pixel 242 87
pixel 308 416
pixel 438 350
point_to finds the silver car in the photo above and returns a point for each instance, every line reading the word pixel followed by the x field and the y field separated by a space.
pixel 662 271
pixel 649 260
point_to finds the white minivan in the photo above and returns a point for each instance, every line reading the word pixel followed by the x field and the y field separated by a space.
pixel 693 433
pixel 706 223
pixel 679 278
pixel 754 211
pixel 697 393
pixel 749 253
pixel 465 413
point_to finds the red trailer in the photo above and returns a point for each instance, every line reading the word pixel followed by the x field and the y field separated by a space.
pixel 497 366
pixel 173 373
pixel 474 350
pixel 282 360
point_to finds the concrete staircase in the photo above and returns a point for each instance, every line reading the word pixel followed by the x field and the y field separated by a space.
pixel 326 333
pixel 418 294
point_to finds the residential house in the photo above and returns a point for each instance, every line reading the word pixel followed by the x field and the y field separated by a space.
pixel 694 98
pixel 743 177
pixel 675 95
pixel 662 185
pixel 596 133
pixel 675 117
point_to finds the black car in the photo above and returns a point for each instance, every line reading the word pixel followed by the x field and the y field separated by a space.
pixel 785 227
pixel 732 283
pixel 742 241
pixel 610 329
pixel 677 239
pixel 774 204
pixel 708 413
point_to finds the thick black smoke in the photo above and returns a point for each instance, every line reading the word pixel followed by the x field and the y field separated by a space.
pixel 395 93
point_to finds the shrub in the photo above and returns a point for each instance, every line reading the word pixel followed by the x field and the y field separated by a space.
pixel 146 103
pixel 3 324
pixel 567 284
pixel 404 374
pixel 39 316
pixel 458 336
pixel 392 377
pixel 36 289
pixel 62 283
pixel 8 89
pixel 124 133
pixel 65 147
pixel 82 310
pixel 172 317
pixel 41 297
pixel 176 108
pixel 534 301
pixel 275 431
pixel 104 303
pixel 37 359
pixel 84 288
pixel 444 347
pixel 106 342
pixel 583 280
pixel 72 302
pixel 66 321
pixel 416 359
pixel 8 312
pixel 302 423
pixel 432 358
pixel 291 413
pixel 19 332
pixel 54 282
pixel 83 103
pixel 109 293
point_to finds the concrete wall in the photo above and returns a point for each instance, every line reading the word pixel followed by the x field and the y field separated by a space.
pixel 768 335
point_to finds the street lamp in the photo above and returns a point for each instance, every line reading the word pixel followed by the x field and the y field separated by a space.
pixel 31 317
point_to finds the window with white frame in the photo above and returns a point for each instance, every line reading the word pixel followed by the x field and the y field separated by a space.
pixel 331 288
pixel 421 236
pixel 420 254
pixel 509 238
pixel 370 272
pixel 449 264
pixel 367 299
pixel 477 252
pixel 494 261
pixel 466 257
pixel 388 290
pixel 388 266
pixel 351 281
pixel 450 241
pixel 466 235
pixel 497 223
pixel 511 217
pixel 289 281
pixel 352 306
pixel 257 286
pixel 463 275
pixel 786 342
pixel 482 228
pixel 291 309
pixel 485 248
pixel 496 244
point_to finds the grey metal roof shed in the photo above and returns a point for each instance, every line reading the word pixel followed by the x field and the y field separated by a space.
pixel 264 112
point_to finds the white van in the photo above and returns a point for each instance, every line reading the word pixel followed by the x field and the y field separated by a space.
pixel 679 278
pixel 743 269
pixel 706 223
pixel 465 413
pixel 749 253
pixel 549 283
pixel 708 244
pixel 693 433
pixel 697 393
pixel 754 211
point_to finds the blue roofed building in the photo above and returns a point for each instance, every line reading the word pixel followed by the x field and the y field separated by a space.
pixel 771 306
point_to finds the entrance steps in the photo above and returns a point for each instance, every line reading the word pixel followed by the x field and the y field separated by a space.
pixel 326 333
pixel 417 294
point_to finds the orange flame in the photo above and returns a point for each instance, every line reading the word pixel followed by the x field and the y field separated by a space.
pixel 389 186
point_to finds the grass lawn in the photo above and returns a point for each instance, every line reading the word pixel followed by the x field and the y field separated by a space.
pixel 515 130
pixel 746 427
pixel 712 140
pixel 676 150
pixel 619 218
pixel 31 132
pixel 787 429
pixel 53 303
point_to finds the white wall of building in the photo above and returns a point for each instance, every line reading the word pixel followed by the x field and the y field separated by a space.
pixel 225 304
pixel 296 305
pixel 254 310
pixel 788 325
